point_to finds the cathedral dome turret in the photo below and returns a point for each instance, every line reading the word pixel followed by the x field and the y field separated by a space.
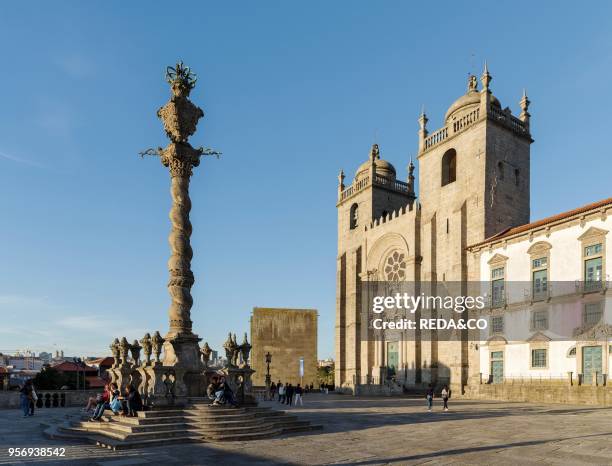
pixel 469 100
pixel 383 167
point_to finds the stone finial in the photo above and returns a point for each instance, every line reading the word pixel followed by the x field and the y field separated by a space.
pixel 411 175
pixel 374 152
pixel 228 346
pixel 157 343
pixel 124 348
pixel 236 352
pixel 135 351
pixel 114 346
pixel 486 78
pixel 524 103
pixel 147 347
pixel 341 180
pixel 245 349
pixel 472 83
pixel 206 351
pixel 422 129
pixel 423 120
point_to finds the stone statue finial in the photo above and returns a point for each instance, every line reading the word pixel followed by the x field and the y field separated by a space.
pixel 114 346
pixel 124 348
pixel 135 350
pixel 374 152
pixel 147 347
pixel 157 343
pixel 341 179
pixel 472 83
pixel 206 351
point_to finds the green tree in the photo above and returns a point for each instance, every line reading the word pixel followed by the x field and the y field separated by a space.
pixel 325 375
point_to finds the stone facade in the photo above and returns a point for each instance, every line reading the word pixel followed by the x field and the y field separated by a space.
pixel 474 183
pixel 288 334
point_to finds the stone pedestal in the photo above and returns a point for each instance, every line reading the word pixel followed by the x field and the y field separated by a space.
pixel 121 375
pixel 182 353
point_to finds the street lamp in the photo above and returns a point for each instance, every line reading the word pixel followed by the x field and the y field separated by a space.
pixel 268 379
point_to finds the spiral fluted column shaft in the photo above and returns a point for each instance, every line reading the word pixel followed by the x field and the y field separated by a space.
pixel 179 265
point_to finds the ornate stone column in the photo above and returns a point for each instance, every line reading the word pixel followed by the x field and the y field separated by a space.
pixel 180 117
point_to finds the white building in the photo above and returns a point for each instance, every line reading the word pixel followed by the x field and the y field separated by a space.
pixel 550 306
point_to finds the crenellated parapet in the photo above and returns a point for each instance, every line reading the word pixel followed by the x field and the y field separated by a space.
pixel 393 215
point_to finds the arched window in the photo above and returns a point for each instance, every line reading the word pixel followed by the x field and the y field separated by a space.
pixel 449 167
pixel 354 220
pixel 500 169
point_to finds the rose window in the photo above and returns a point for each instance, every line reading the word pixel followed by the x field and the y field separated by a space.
pixel 395 267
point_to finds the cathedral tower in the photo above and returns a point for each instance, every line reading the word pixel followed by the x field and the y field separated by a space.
pixel 473 183
pixel 374 193
pixel 473 177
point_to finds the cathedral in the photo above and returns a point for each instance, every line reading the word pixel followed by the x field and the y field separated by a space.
pixel 474 189
pixel 461 202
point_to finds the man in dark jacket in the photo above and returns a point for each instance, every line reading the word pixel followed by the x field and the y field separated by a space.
pixel 290 391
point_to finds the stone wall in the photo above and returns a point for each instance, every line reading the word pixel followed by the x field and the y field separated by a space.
pixel 288 334
pixel 542 393
pixel 49 399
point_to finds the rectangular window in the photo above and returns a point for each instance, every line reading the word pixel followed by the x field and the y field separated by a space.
pixel 498 296
pixel 497 273
pixel 538 358
pixel 540 284
pixel 497 324
pixel 539 320
pixel 497 355
pixel 592 313
pixel 593 249
pixel 593 273
pixel 540 262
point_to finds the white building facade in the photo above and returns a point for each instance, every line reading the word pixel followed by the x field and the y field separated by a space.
pixel 550 310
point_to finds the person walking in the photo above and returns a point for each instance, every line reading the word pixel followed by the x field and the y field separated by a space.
pixel 25 397
pixel 430 395
pixel 298 395
pixel 281 392
pixel 33 400
pixel 272 391
pixel 445 396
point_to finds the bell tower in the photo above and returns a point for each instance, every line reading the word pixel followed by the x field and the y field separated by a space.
pixel 374 193
pixel 473 177
pixel 473 183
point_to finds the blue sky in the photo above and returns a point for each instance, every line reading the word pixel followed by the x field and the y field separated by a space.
pixel 292 93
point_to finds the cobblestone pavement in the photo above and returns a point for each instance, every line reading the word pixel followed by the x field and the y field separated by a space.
pixel 368 431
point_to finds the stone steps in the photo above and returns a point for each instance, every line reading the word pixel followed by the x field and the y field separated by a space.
pixel 194 422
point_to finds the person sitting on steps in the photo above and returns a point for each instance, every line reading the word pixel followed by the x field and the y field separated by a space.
pixel 132 403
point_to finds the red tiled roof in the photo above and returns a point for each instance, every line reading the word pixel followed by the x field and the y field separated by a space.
pixel 68 366
pixel 107 361
pixel 95 381
pixel 545 221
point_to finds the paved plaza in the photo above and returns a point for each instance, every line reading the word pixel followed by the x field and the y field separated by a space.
pixel 368 431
